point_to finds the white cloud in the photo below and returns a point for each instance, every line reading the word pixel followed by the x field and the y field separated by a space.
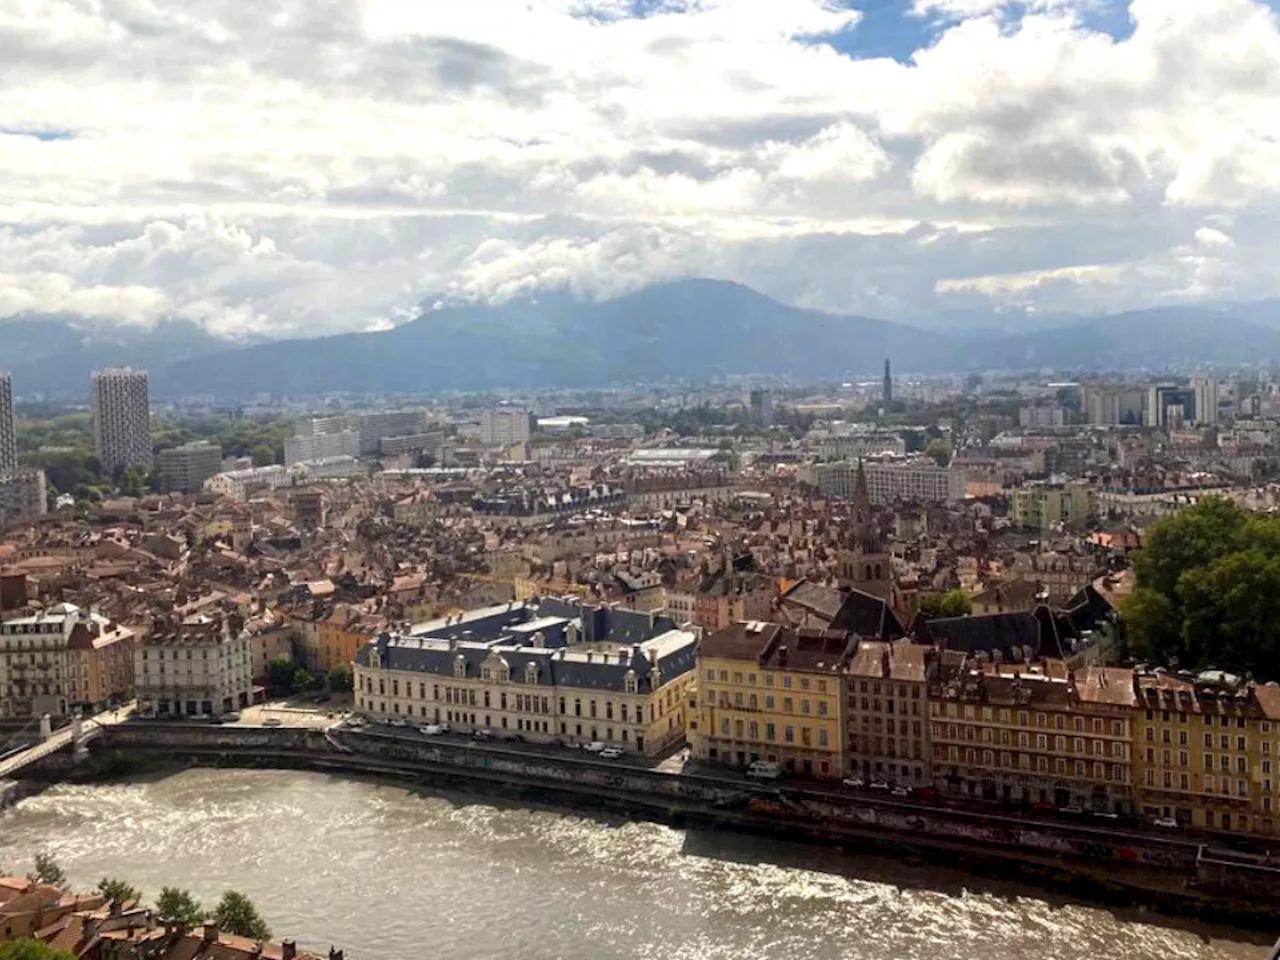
pixel 305 166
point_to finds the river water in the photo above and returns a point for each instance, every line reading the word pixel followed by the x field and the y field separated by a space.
pixel 394 874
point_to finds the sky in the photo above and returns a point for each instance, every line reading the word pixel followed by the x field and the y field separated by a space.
pixel 302 167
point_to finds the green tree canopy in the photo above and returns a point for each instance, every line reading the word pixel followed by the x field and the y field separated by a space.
pixel 179 905
pixel 940 451
pixel 32 950
pixel 280 673
pixel 236 913
pixel 1208 590
pixel 953 603
pixel 115 889
pixel 340 679
pixel 47 871
pixel 303 679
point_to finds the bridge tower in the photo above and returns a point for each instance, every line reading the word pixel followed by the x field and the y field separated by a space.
pixel 46 726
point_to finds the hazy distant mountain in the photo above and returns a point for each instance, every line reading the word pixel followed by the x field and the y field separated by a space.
pixel 54 354
pixel 693 330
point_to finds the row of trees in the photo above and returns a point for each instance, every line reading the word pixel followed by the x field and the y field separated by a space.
pixel 288 676
pixel 1208 591
pixel 234 913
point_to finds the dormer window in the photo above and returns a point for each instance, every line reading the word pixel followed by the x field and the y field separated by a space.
pixel 459 666
pixel 632 684
pixel 531 673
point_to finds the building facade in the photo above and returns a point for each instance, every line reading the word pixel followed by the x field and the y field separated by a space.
pixel 23 495
pixel 62 658
pixel 8 430
pixel 503 428
pixel 317 446
pixel 558 672
pixel 1205 750
pixel 1043 506
pixel 240 484
pixel 121 418
pixel 184 469
pixel 887 716
pixel 767 692
pixel 199 666
pixel 374 427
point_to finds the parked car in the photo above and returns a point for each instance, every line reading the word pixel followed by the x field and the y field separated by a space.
pixel 272 722
pixel 610 753
pixel 1165 823
pixel 482 734
pixel 1043 807
pixel 1071 810
pixel 928 793
pixel 514 738
pixel 596 746
pixel 764 770
pixel 231 717
pixel 1106 815
pixel 430 730
pixel 902 791
pixel 856 782
pixel 399 722
pixel 573 745
pixel 879 785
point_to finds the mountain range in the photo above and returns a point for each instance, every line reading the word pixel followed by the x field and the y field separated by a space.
pixel 689 330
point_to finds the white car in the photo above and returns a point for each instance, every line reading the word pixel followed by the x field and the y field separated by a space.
pixel 856 782
pixel 610 753
pixel 902 791
pixel 430 730
pixel 596 746
pixel 1167 823
pixel 399 722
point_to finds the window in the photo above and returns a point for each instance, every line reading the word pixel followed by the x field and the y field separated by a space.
pixel 711 675
pixel 822 708
pixel 822 736
pixel 770 733
pixel 768 701
pixel 786 682
pixel 1208 741
pixel 459 666
pixel 790 734
pixel 632 685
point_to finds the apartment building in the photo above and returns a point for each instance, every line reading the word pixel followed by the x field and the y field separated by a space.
pixel 185 469
pixel 8 430
pixel 200 665
pixel 503 428
pixel 374 427
pixel 767 692
pixel 887 717
pixel 1044 506
pixel 1205 749
pixel 24 495
pixel 889 481
pixel 241 484
pixel 121 418
pixel 1023 733
pixel 61 658
pixel 559 671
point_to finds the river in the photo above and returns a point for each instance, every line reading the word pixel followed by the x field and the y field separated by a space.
pixel 395 874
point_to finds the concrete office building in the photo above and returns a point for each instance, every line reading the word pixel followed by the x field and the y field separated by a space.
pixel 1042 506
pixel 762 407
pixel 1166 401
pixel 889 482
pixel 374 427
pixel 1040 417
pixel 432 442
pixel 23 495
pixel 318 446
pixel 8 432
pixel 1206 389
pixel 184 469
pixel 121 418
pixel 1113 405
pixel 502 428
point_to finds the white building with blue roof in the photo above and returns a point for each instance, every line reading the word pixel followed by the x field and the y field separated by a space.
pixel 545 671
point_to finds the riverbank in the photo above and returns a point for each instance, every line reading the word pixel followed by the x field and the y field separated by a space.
pixel 1121 870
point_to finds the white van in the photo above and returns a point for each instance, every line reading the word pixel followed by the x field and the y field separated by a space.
pixel 764 770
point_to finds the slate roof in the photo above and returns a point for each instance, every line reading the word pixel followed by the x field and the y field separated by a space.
pixel 1018 636
pixel 868 616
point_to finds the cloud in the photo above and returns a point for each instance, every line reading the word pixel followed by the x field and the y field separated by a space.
pixel 309 166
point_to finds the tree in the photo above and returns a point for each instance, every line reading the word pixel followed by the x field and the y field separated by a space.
pixel 303 679
pixel 340 679
pixel 1208 590
pixel 32 950
pixel 236 913
pixel 179 905
pixel 280 672
pixel 953 603
pixel 47 871
pixel 940 451
pixel 119 891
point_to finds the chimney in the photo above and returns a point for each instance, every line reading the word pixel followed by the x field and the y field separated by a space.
pixel 288 949
pixel 782 655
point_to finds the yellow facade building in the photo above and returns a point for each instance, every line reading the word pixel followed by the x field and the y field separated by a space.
pixel 1205 751
pixel 766 692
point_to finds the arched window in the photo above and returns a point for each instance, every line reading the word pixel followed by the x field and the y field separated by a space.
pixel 631 682
pixel 531 673
pixel 868 576
pixel 879 570
pixel 459 666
